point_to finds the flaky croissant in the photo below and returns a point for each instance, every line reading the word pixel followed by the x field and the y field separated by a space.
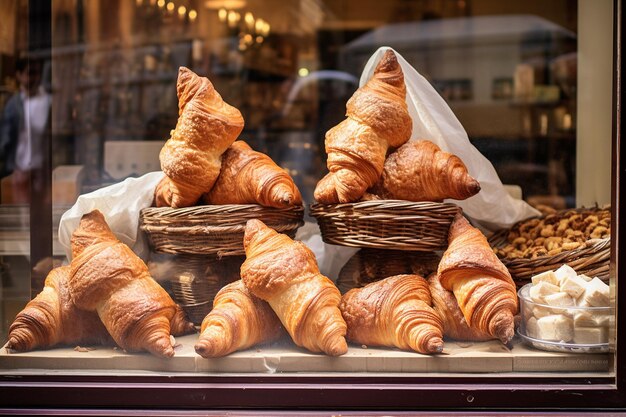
pixel 250 177
pixel 107 277
pixel 284 273
pixel 238 320
pixel 190 158
pixel 481 284
pixel 420 171
pixel 52 318
pixel 377 118
pixel 395 311
pixel 454 324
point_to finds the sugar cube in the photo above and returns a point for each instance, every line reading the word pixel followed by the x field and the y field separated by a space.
pixel 590 335
pixel 556 328
pixel 541 290
pixel 563 272
pixel 547 276
pixel 573 285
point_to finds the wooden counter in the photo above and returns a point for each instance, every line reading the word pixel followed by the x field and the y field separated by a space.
pixel 283 356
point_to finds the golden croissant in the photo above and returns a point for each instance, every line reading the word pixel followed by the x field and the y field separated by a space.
pixel 206 127
pixel 52 318
pixel 395 311
pixel 107 277
pixel 284 273
pixel 238 320
pixel 420 171
pixel 250 177
pixel 377 118
pixel 481 284
pixel 454 324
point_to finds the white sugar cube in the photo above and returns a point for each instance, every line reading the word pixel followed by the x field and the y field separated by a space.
pixel 547 276
pixel 564 272
pixel 596 293
pixel 584 319
pixel 560 299
pixel 541 290
pixel 556 328
pixel 532 329
pixel 585 277
pixel 603 320
pixel 581 302
pixel 573 285
pixel 590 335
pixel 541 311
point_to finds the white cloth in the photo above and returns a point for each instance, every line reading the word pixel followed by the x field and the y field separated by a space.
pixel 492 208
pixel 120 204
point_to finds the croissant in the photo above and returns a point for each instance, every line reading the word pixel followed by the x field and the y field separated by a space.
pixel 420 171
pixel 369 265
pixel 239 320
pixel 107 277
pixel 52 318
pixel 454 324
pixel 191 157
pixel 377 118
pixel 395 311
pixel 481 284
pixel 284 273
pixel 250 177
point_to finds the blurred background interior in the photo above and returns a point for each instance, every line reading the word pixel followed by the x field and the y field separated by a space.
pixel 107 87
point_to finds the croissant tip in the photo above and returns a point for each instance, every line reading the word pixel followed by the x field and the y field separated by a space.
pixel 210 348
pixel 339 348
pixel 473 186
pixel 435 345
pixel 204 348
pixel 253 226
pixel 11 344
pixel 388 61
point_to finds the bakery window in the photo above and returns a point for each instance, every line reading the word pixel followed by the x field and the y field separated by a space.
pixel 238 203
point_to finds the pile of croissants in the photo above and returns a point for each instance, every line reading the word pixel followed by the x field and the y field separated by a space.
pixel 204 164
pixel 370 156
pixel 106 295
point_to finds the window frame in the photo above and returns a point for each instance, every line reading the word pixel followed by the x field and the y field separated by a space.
pixel 336 392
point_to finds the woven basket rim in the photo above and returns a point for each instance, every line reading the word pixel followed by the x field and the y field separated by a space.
pixel 212 230
pixel 381 204
pixel 216 209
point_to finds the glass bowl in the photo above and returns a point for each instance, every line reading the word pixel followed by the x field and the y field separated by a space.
pixel 564 329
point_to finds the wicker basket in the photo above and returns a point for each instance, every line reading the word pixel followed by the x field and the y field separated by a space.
pixel 386 224
pixel 197 279
pixel 592 258
pixel 370 265
pixel 212 229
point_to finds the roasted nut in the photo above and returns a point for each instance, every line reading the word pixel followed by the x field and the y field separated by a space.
pixel 570 245
pixel 599 232
pixel 547 231
pixel 555 251
pixel 591 219
pixel 512 236
pixel 526 226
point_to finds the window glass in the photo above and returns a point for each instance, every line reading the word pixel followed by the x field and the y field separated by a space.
pixel 529 83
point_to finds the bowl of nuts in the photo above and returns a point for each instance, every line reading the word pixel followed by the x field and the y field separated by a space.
pixel 566 312
pixel 579 237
